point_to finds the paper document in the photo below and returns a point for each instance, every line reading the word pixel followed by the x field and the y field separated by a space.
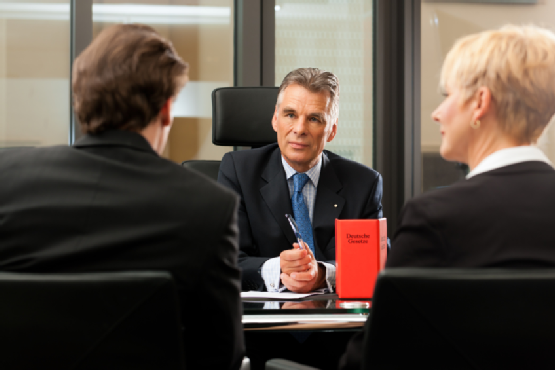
pixel 280 296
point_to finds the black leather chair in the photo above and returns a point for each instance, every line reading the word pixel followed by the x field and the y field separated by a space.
pixel 206 167
pixel 241 116
pixel 125 320
pixel 460 319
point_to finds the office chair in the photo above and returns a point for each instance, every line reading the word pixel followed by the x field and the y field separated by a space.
pixel 462 319
pixel 206 167
pixel 123 320
pixel 241 116
pixel 459 319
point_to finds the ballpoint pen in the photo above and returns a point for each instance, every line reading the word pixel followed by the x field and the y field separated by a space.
pixel 295 230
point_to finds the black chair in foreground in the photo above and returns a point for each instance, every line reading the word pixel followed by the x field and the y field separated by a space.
pixel 241 116
pixel 461 319
pixel 123 320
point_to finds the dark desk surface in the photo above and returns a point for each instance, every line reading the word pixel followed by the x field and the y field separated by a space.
pixel 323 312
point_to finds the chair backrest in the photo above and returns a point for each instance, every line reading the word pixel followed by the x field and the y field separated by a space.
pixel 124 320
pixel 242 116
pixel 206 167
pixel 462 319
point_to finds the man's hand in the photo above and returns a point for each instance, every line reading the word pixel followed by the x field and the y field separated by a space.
pixel 296 259
pixel 302 273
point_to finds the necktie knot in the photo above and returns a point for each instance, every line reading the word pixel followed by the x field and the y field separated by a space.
pixel 299 181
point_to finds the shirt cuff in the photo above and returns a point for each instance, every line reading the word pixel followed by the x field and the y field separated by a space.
pixel 270 274
pixel 330 275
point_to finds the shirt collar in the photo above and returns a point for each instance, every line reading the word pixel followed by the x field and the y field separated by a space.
pixel 506 157
pixel 313 173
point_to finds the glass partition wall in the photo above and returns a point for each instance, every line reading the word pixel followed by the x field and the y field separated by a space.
pixel 202 33
pixel 34 72
pixel 336 36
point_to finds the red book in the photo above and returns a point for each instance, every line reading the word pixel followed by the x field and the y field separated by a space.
pixel 360 253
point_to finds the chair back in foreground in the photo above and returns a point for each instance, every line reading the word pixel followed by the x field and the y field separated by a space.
pixel 127 320
pixel 206 167
pixel 242 116
pixel 462 319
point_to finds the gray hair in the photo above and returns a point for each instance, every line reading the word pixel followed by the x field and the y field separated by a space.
pixel 315 81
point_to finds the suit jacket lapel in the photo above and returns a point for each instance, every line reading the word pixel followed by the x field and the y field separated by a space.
pixel 276 194
pixel 328 205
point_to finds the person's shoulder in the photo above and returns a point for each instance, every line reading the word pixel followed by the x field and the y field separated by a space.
pixel 347 167
pixel 527 168
pixel 462 197
pixel 190 179
pixel 457 190
pixel 29 155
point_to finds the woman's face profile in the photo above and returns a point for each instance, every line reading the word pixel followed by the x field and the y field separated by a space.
pixel 454 120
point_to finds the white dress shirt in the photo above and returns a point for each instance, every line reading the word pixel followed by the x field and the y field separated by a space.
pixel 271 268
pixel 506 157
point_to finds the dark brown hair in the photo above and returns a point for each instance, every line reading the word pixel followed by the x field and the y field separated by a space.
pixel 123 78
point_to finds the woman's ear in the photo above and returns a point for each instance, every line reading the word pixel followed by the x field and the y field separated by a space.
pixel 483 103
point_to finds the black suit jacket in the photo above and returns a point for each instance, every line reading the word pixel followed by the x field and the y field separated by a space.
pixel 500 218
pixel 346 190
pixel 110 203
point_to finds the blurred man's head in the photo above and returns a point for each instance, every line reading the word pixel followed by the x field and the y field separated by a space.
pixel 126 79
pixel 306 115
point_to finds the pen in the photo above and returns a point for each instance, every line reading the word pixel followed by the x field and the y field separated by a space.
pixel 295 230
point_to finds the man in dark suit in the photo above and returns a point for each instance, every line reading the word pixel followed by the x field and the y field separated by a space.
pixel 268 181
pixel 111 203
pixel 305 119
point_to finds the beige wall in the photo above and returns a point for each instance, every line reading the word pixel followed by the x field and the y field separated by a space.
pixel 34 82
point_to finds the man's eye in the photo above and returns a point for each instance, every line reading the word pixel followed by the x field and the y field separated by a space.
pixel 314 119
pixel 290 115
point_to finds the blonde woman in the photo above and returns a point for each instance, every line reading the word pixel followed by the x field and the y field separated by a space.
pixel 499 89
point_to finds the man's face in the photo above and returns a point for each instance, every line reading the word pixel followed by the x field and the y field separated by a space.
pixel 301 123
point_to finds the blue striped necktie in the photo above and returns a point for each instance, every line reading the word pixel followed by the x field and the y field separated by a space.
pixel 300 210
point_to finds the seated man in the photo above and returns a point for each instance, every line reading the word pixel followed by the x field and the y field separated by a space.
pixel 297 176
pixel 111 203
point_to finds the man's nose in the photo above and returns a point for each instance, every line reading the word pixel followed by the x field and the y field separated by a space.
pixel 299 127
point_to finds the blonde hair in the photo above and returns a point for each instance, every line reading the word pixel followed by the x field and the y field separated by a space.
pixel 517 64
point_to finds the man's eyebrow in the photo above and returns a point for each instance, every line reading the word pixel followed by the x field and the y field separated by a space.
pixel 287 110
pixel 320 116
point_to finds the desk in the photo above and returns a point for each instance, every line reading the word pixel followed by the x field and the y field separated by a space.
pixel 317 313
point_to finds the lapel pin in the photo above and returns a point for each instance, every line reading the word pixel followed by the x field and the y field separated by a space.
pixel 335 205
